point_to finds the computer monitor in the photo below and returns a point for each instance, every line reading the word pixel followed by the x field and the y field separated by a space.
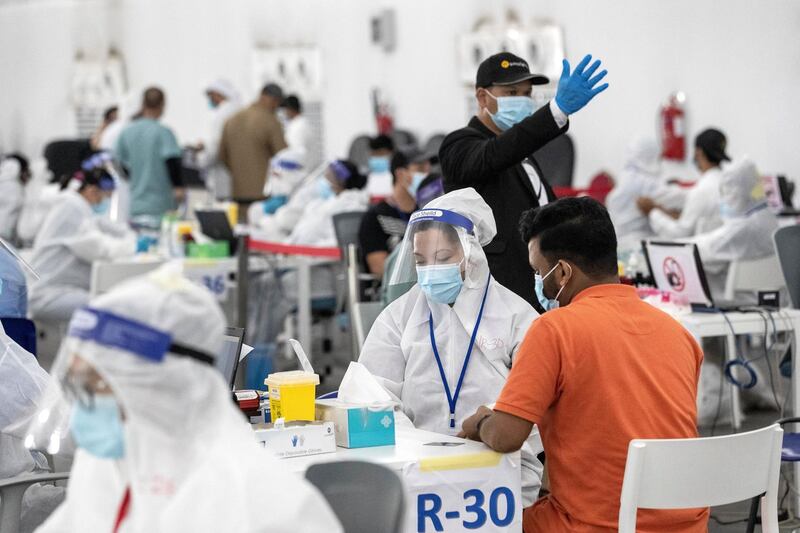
pixel 215 225
pixel 676 267
pixel 228 357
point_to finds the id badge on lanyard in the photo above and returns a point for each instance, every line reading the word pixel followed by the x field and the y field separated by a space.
pixel 452 398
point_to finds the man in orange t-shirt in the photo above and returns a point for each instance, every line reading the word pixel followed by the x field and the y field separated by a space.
pixel 598 370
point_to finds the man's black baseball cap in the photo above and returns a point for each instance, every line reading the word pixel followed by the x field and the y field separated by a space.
pixel 713 143
pixel 506 69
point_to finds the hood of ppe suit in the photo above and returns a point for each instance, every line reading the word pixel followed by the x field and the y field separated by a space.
pixel 287 169
pixel 225 88
pixel 740 186
pixel 469 203
pixel 643 154
pixel 170 395
pixel 9 169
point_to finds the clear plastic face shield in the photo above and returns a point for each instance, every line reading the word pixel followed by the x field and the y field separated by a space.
pixel 434 254
pixel 82 403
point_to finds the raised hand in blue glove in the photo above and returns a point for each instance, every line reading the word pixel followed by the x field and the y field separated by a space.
pixel 575 90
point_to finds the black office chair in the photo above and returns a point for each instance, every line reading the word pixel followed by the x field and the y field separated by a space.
pixel 64 157
pixel 557 161
pixel 787 247
pixel 404 140
pixel 365 497
pixel 346 226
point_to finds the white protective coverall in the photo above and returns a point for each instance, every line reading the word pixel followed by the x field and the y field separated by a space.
pixel 40 196
pixel 11 197
pixel 190 460
pixel 398 348
pixel 700 214
pixel 23 382
pixel 640 177
pixel 71 238
pixel 747 227
pixel 218 179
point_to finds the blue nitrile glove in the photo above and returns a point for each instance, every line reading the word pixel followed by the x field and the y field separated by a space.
pixel 577 89
pixel 274 203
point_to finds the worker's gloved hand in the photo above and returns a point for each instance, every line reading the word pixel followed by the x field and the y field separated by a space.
pixel 576 89
pixel 274 203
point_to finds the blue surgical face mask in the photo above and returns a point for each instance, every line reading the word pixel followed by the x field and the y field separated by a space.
pixel 726 211
pixel 99 430
pixel 378 165
pixel 442 283
pixel 511 110
pixel 547 304
pixel 416 180
pixel 101 208
pixel 324 189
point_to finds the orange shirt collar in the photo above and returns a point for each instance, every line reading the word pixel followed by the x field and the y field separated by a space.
pixel 606 290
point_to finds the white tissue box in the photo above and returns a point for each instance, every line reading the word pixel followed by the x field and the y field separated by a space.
pixel 358 426
pixel 297 439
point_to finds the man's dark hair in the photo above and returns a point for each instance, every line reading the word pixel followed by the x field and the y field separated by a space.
pixel 575 229
pixel 153 98
pixel 108 112
pixel 381 142
pixel 292 102
pixel 272 89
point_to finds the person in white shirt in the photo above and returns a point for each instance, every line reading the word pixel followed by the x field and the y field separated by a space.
pixel 700 214
pixel 296 128
pixel 14 174
pixel 224 101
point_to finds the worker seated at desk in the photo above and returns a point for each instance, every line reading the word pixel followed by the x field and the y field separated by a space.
pixel 74 234
pixel 599 368
pixel 161 445
pixel 23 382
pixel 283 190
pixel 700 212
pixel 446 346
pixel 640 177
pixel 747 224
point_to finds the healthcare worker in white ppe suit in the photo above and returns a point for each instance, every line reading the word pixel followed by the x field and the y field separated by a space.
pixel 446 346
pixel 747 224
pixel 75 233
pixel 161 446
pixel 22 383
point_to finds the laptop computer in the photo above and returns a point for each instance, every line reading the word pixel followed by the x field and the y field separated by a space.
pixel 227 361
pixel 215 225
pixel 676 267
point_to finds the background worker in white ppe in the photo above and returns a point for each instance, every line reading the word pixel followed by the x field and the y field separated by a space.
pixel 224 101
pixel 747 224
pixel 161 446
pixel 74 234
pixel 701 211
pixel 14 174
pixel 640 177
pixel 446 346
pixel 23 382
pixel 284 179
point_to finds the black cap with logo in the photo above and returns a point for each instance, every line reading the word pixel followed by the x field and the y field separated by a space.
pixel 506 69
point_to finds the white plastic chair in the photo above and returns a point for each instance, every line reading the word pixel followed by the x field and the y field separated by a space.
pixel 364 315
pixel 754 275
pixel 703 472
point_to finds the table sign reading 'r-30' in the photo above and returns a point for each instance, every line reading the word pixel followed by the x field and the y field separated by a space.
pixel 501 510
pixel 471 492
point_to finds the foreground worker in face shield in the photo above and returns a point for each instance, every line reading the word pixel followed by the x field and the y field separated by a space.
pixel 446 346
pixel 162 447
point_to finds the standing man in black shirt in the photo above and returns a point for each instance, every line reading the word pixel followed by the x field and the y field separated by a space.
pixel 493 154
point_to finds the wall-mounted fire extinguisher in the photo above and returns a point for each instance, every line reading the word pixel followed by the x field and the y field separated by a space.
pixel 383 115
pixel 672 125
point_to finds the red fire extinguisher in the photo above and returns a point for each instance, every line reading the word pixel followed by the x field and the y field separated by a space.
pixel 673 128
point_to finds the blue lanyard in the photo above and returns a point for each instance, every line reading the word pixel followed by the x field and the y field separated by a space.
pixel 452 399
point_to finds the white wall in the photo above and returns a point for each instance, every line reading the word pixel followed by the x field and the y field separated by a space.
pixel 738 62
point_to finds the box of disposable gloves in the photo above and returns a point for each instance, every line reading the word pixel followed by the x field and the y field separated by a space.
pixel 363 413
